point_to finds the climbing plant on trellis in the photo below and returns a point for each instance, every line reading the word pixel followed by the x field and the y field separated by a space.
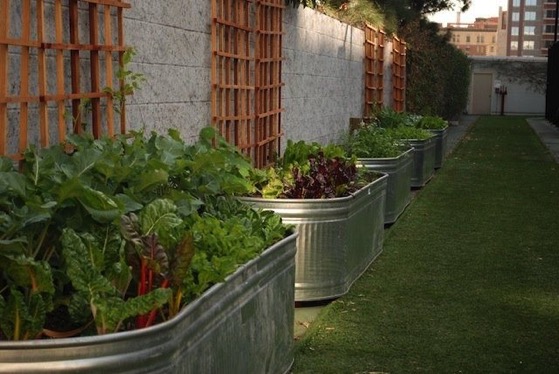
pixel 59 64
pixel 246 75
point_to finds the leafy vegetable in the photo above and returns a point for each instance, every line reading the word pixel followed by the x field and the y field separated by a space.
pixel 311 171
pixel 160 249
pixel 432 123
pixel 370 141
pixel 115 230
pixel 408 133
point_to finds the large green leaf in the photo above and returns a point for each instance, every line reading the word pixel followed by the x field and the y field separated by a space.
pixel 159 217
pixel 6 164
pixel 29 273
pixel 101 207
pixel 81 162
pixel 110 312
pixel 22 318
pixel 14 183
pixel 82 267
pixel 149 179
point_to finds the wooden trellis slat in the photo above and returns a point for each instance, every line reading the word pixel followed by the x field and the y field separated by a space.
pixel 24 72
pixel 268 52
pixel 43 115
pixel 108 34
pixel 374 69
pixel 399 74
pixel 232 61
pixel 60 103
pixel 44 85
pixel 246 75
pixel 4 26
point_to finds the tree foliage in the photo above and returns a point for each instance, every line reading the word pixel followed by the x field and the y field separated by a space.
pixel 432 6
pixel 438 73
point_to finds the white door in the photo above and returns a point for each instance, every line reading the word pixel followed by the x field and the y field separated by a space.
pixel 482 89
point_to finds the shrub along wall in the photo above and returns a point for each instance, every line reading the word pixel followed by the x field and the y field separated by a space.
pixel 438 73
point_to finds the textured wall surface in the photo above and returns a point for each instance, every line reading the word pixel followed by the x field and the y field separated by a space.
pixel 173 46
pixel 323 76
pixel 322 71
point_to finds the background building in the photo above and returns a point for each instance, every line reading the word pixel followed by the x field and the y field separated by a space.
pixel 532 27
pixel 475 39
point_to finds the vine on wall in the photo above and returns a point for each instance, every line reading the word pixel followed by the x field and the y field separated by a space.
pixel 532 74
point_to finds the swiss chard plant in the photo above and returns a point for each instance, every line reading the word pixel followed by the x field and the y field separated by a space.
pixel 99 236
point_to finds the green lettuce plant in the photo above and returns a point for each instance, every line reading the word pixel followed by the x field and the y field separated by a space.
pixel 370 141
pixel 312 171
pixel 432 123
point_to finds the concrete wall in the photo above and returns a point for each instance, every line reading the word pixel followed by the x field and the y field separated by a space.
pixel 525 81
pixel 323 76
pixel 173 44
pixel 322 71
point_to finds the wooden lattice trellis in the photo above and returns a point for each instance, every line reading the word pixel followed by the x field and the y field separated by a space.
pixel 374 69
pixel 399 74
pixel 58 64
pixel 246 75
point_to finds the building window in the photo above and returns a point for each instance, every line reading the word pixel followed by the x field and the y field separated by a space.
pixel 549 29
pixel 528 45
pixel 514 31
pixel 493 40
pixel 529 30
pixel 531 3
pixel 515 16
pixel 514 45
pixel 467 38
pixel 492 49
pixel 515 2
pixel 550 13
pixel 529 16
pixel 480 39
pixel 548 43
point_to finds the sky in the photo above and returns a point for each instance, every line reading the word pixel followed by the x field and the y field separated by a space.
pixel 479 8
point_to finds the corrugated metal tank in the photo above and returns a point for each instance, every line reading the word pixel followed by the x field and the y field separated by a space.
pixel 243 325
pixel 440 147
pixel 423 160
pixel 338 238
pixel 398 188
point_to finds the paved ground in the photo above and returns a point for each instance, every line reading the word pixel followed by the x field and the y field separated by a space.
pixel 457 130
pixel 548 134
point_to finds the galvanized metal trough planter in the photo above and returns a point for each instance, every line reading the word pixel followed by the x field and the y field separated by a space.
pixel 243 325
pixel 338 238
pixel 398 191
pixel 441 140
pixel 423 160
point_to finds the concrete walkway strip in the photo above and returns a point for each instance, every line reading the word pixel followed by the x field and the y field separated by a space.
pixel 548 134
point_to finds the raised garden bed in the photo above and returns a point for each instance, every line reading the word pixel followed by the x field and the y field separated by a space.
pixel 423 161
pixel 338 238
pixel 249 316
pixel 398 191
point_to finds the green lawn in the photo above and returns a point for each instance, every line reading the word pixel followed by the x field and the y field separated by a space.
pixel 469 278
